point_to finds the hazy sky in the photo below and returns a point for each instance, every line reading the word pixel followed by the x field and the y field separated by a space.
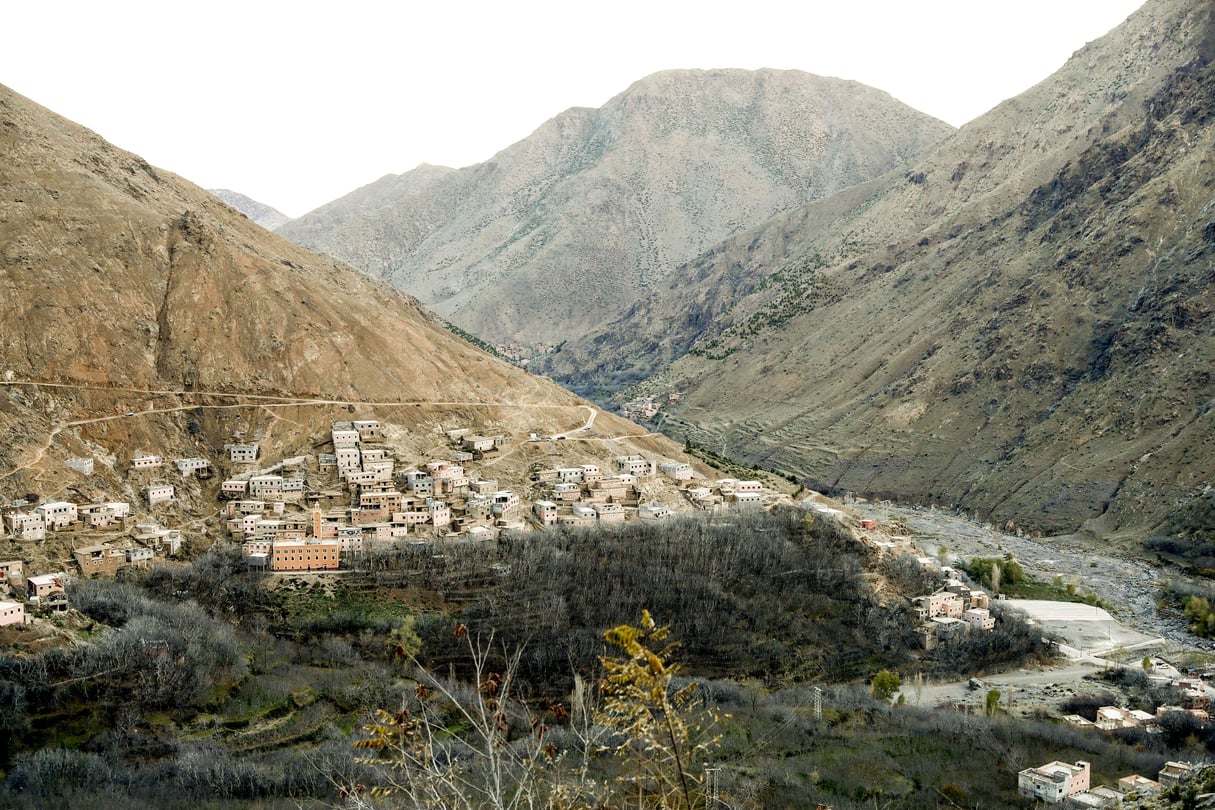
pixel 298 103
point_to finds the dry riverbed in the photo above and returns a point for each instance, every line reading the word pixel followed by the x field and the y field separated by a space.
pixel 1130 588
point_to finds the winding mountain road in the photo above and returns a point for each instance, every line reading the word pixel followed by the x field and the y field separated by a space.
pixel 266 402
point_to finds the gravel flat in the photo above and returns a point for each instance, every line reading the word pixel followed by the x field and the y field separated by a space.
pixel 1130 588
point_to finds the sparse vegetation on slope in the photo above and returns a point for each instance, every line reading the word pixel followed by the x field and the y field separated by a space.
pixel 1023 324
pixel 567 228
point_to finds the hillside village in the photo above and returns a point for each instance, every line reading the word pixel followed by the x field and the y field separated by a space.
pixel 326 510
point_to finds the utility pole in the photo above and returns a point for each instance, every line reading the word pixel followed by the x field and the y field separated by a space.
pixel 818 704
pixel 712 789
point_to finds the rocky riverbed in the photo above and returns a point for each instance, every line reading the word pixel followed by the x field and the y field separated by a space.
pixel 1129 588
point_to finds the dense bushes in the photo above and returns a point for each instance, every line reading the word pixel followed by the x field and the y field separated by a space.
pixel 785 597
pixel 779 596
pixel 156 655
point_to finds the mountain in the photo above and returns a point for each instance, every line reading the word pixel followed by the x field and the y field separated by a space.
pixel 140 312
pixel 567 227
pixel 269 218
pixel 1019 324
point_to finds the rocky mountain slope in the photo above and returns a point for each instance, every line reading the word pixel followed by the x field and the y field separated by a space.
pixel 1019 324
pixel 561 230
pixel 124 288
pixel 264 215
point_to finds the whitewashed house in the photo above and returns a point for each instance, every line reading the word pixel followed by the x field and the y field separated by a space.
pixel 653 511
pixel 582 513
pixel 484 486
pixel 609 512
pixel 1053 782
pixel 11 613
pixel 83 465
pixel 747 499
pixel 241 453
pixel 158 493
pixel 345 438
pixel 567 492
pixel 189 466
pixel 146 461
pixel 269 487
pixel 677 470
pixel 481 444
pixel 138 554
pixel 639 466
pixel 979 619
pixel 57 514
pixel 25 525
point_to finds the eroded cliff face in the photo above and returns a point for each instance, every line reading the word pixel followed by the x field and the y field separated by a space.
pixel 1019 325
pixel 566 228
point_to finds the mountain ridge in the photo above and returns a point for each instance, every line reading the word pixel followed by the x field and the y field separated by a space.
pixel 575 221
pixel 901 348
pixel 264 215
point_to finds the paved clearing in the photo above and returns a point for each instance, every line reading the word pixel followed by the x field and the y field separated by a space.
pixel 1085 629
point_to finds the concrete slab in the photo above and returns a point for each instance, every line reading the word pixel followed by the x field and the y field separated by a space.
pixel 1086 629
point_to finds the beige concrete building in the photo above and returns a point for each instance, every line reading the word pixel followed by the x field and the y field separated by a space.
pixel 1053 782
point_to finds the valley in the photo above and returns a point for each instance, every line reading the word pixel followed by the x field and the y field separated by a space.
pixel 995 327
pixel 750 440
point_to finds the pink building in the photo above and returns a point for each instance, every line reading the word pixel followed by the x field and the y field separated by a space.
pixel 546 512
pixel 11 613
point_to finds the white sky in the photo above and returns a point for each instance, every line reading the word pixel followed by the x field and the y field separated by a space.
pixel 298 103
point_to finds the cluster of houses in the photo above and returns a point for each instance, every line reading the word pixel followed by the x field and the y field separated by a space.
pixel 45 591
pixel 521 354
pixel 24 521
pixel 157 491
pixel 1194 701
pixel 584 494
pixel 284 524
pixel 1069 783
pixel 952 610
pixel 644 409
pixel 134 544
pixel 374 503
pixel 62 516
pixel 725 492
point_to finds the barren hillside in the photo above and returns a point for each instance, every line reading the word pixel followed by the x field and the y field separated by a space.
pixel 569 226
pixel 126 290
pixel 1018 324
